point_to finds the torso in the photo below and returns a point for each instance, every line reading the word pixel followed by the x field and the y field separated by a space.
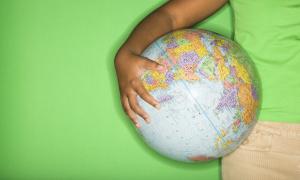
pixel 269 30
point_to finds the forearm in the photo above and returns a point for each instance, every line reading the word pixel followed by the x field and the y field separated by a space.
pixel 173 15
pixel 151 27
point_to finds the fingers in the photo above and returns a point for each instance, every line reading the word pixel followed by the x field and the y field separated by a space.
pixel 145 95
pixel 136 107
pixel 131 114
pixel 131 105
pixel 152 65
pixel 132 86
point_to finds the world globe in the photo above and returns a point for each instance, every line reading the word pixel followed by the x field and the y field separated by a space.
pixel 209 95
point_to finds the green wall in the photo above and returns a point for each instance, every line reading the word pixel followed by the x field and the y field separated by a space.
pixel 60 116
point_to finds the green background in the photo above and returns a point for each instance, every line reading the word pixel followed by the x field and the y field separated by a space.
pixel 60 112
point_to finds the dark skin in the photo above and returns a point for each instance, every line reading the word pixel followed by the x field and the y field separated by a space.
pixel 129 63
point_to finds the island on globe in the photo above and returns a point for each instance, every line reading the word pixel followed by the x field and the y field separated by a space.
pixel 209 94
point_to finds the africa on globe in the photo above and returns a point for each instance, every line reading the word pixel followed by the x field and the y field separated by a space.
pixel 209 94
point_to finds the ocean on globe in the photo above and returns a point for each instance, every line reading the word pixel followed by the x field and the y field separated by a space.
pixel 209 94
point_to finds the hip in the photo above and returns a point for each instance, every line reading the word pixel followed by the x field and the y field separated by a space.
pixel 272 151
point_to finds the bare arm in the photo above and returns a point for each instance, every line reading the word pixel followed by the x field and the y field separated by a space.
pixel 175 14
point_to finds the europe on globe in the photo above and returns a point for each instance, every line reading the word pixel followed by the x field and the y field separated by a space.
pixel 209 94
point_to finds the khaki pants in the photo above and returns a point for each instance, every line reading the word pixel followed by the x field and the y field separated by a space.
pixel 271 152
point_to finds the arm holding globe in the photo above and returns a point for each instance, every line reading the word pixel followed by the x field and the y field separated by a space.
pixel 130 64
pixel 207 87
pixel 204 84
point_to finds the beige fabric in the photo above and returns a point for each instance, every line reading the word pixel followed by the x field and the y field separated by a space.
pixel 271 152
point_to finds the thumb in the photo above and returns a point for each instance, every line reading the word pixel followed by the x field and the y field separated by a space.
pixel 152 65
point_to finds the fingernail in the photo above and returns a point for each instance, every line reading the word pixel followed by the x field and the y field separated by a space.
pixel 137 125
pixel 160 67
pixel 147 120
pixel 157 106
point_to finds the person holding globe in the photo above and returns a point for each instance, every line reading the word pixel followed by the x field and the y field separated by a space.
pixel 270 32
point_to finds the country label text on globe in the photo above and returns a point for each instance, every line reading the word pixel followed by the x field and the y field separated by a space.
pixel 208 92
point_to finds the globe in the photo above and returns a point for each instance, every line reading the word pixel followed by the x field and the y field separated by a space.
pixel 209 94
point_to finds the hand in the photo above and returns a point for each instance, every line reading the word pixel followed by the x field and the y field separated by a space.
pixel 129 67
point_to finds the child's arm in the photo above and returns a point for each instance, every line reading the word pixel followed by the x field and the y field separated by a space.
pixel 129 64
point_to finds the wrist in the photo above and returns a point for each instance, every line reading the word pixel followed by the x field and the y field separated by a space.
pixel 127 49
pixel 123 54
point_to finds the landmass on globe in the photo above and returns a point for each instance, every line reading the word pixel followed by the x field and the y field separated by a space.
pixel 194 56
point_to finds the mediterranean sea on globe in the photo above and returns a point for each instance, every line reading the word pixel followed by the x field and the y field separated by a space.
pixel 209 94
